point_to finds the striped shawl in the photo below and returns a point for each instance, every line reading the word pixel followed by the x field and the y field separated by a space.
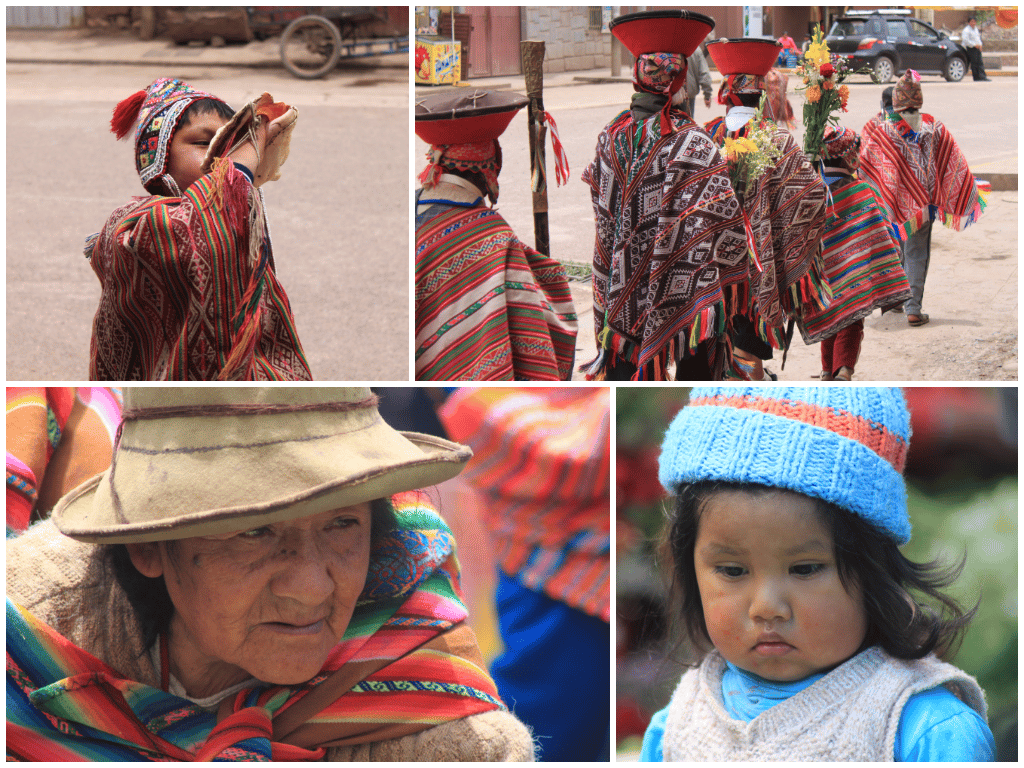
pixel 862 262
pixel 488 307
pixel 921 177
pixel 407 663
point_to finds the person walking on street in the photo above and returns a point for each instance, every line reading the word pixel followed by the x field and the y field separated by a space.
pixel 698 78
pixel 971 39
pixel 670 249
pixel 922 176
pixel 785 207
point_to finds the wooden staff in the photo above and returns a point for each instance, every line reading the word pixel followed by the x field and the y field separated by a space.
pixel 533 70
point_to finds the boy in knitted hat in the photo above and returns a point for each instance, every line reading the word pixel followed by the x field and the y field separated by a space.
pixel 187 273
pixel 670 250
pixel 789 511
pixel 922 176
pixel 785 208
pixel 862 262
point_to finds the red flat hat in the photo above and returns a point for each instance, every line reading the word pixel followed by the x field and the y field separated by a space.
pixel 466 118
pixel 744 55
pixel 667 31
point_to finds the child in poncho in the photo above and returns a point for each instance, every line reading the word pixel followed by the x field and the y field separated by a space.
pixel 790 507
pixel 189 289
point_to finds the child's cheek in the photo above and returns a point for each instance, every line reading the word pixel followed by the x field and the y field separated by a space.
pixel 724 622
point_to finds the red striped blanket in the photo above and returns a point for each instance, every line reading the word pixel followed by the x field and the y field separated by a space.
pixel 921 177
pixel 488 307
pixel 862 262
pixel 541 466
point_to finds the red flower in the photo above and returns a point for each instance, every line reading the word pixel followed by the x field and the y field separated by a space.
pixel 827 70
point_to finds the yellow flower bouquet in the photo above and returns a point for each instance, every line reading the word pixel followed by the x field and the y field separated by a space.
pixel 750 156
pixel 824 94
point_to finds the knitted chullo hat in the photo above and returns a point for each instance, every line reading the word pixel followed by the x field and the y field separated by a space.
pixel 155 113
pixel 847 446
pixel 840 143
pixel 907 92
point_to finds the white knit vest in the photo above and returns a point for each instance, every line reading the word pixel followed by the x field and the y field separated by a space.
pixel 851 714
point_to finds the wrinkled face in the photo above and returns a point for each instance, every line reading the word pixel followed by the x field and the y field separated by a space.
pixel 773 602
pixel 188 148
pixel 269 602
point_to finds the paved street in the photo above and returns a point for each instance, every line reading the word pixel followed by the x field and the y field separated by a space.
pixel 974 313
pixel 339 216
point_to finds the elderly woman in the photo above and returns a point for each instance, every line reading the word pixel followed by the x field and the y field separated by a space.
pixel 251 579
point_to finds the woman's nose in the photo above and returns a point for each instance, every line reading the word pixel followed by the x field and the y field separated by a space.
pixel 304 575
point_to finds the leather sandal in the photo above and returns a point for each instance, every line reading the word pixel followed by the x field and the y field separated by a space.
pixel 825 376
pixel 917 320
pixel 845 374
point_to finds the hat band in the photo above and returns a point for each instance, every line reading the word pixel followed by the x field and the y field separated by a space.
pixel 870 434
pixel 224 409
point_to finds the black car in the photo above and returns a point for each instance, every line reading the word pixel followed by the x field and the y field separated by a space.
pixel 890 44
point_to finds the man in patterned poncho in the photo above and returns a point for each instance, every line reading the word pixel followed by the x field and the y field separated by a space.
pixel 923 176
pixel 785 210
pixel 670 249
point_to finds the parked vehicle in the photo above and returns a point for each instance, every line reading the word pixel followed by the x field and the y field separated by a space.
pixel 890 42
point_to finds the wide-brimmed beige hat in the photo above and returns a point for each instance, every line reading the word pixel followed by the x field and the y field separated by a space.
pixel 199 461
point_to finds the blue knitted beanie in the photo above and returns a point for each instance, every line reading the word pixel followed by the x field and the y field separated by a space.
pixel 845 445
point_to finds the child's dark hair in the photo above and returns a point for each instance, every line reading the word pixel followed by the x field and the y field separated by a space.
pixel 865 558
pixel 205 107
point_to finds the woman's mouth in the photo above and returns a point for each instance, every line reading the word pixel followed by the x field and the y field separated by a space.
pixel 296 629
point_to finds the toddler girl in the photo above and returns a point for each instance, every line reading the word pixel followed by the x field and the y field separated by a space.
pixel 790 507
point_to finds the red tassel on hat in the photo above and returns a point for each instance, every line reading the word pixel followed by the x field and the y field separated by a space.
pixel 126 113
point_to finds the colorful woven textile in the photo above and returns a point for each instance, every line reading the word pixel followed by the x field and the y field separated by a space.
pixel 787 218
pixel 541 465
pixel 57 438
pixel 406 663
pixel 663 74
pixel 862 262
pixel 488 307
pixel 483 157
pixel 839 143
pixel 921 176
pixel 182 297
pixel 670 243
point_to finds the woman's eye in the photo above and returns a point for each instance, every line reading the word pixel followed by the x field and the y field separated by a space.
pixel 255 533
pixel 729 571
pixel 807 569
pixel 343 522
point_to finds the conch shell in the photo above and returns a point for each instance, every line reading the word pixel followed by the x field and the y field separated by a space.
pixel 237 130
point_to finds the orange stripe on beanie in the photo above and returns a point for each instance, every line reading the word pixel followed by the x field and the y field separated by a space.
pixel 846 446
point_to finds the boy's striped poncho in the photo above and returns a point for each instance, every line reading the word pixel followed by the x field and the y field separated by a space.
pixel 488 307
pixel 862 263
pixel 407 662
pixel 921 177
pixel 189 290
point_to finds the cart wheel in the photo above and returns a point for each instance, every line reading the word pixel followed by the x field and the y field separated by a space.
pixel 310 47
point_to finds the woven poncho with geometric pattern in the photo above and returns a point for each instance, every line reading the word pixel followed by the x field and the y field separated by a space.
pixel 670 246
pixel 921 176
pixel 786 210
pixel 407 663
pixel 183 297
